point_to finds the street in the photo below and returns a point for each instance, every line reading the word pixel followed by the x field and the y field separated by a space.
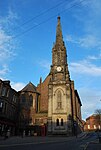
pixel 51 143
pixel 44 146
pixel 72 144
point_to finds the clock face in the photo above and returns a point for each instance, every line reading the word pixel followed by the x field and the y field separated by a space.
pixel 59 68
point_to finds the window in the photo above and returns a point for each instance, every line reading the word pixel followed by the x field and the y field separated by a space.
pixel 14 98
pixel 57 122
pixel 5 108
pixel 31 100
pixel 3 91
pixel 88 126
pixel 23 99
pixel 94 126
pixel 59 105
pixel 8 93
pixel 37 121
pixel 37 103
pixel 61 122
pixel 59 102
pixel 30 121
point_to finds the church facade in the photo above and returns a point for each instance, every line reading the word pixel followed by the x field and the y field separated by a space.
pixel 56 103
pixel 60 102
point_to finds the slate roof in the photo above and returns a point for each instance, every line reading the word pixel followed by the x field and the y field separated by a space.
pixel 29 88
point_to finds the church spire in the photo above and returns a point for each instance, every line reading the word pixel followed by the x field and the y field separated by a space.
pixel 59 55
pixel 59 37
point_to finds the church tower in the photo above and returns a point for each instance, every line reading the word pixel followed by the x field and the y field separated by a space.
pixel 60 109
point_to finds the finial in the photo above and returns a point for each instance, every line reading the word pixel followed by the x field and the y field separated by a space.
pixel 58 29
pixel 58 17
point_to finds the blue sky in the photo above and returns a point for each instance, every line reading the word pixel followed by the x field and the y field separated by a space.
pixel 27 34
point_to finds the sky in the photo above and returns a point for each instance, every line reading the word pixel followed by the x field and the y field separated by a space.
pixel 27 35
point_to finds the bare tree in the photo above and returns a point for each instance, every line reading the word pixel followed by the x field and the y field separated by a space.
pixel 98 111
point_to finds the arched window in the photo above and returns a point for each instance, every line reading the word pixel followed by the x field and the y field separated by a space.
pixel 31 100
pixel 23 99
pixel 61 122
pixel 57 122
pixel 59 101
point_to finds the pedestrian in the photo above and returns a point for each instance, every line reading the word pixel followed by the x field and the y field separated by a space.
pixel 8 133
pixel 23 134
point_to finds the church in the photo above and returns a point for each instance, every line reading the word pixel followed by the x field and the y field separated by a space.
pixel 54 105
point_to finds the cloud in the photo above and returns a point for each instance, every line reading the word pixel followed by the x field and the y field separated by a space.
pixel 87 17
pixel 94 57
pixel 90 41
pixel 17 85
pixel 7 43
pixel 8 20
pixel 88 108
pixel 87 41
pixel 4 70
pixel 85 67
pixel 6 46
pixel 90 101
pixel 45 64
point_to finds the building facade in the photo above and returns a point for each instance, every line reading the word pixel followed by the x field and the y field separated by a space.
pixel 53 107
pixel 9 102
pixel 93 123
pixel 58 105
pixel 64 105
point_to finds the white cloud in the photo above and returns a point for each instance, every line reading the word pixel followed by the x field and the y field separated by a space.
pixel 84 67
pixel 17 86
pixel 45 64
pixel 8 20
pixel 7 43
pixel 88 108
pixel 88 41
pixel 90 101
pixel 6 46
pixel 88 20
pixel 94 57
pixel 4 70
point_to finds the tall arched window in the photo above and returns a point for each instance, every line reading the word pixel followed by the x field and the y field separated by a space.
pixel 23 99
pixel 61 122
pixel 31 100
pixel 59 101
pixel 57 122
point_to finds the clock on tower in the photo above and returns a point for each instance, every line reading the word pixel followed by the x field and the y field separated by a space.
pixel 59 68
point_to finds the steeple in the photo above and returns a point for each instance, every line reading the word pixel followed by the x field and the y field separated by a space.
pixel 59 55
pixel 59 37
